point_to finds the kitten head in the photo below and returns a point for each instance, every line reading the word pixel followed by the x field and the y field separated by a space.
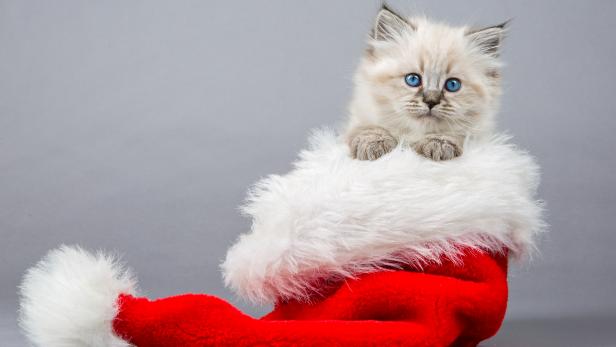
pixel 422 76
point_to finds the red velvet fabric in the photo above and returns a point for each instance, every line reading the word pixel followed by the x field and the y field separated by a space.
pixel 442 305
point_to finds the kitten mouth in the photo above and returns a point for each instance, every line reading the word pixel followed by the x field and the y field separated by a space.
pixel 428 115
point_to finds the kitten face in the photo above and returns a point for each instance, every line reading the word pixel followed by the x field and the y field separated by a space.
pixel 419 75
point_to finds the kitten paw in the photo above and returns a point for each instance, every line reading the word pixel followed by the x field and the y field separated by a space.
pixel 371 143
pixel 438 148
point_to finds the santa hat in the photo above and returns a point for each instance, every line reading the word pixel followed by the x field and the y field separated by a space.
pixel 401 250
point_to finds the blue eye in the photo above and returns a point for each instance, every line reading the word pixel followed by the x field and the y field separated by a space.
pixel 413 80
pixel 453 85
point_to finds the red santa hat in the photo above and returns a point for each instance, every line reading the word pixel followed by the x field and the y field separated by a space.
pixel 399 251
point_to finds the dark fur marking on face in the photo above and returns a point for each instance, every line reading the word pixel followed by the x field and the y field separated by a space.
pixel 449 66
pixel 472 113
pixel 495 74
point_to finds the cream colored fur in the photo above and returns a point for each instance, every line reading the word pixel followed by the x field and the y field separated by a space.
pixel 399 46
pixel 334 217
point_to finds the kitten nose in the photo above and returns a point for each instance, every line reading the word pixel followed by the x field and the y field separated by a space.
pixel 431 103
pixel 432 98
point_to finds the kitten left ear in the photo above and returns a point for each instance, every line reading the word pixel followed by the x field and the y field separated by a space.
pixel 489 39
pixel 389 25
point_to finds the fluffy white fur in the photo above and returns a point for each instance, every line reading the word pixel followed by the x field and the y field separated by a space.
pixel 69 299
pixel 333 216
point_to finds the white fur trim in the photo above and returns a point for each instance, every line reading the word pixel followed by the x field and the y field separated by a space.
pixel 69 299
pixel 332 216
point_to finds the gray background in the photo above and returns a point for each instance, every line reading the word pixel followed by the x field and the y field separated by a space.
pixel 137 126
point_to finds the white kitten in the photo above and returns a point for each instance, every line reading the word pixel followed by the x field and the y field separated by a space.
pixel 426 85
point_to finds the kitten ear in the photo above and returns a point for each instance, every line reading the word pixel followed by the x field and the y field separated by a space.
pixel 389 25
pixel 489 39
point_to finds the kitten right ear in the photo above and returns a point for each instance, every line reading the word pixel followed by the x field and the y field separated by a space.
pixel 389 25
pixel 489 39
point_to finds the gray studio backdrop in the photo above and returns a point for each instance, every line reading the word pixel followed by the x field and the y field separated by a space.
pixel 137 126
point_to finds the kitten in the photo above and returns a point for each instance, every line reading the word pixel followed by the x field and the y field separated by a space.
pixel 426 85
